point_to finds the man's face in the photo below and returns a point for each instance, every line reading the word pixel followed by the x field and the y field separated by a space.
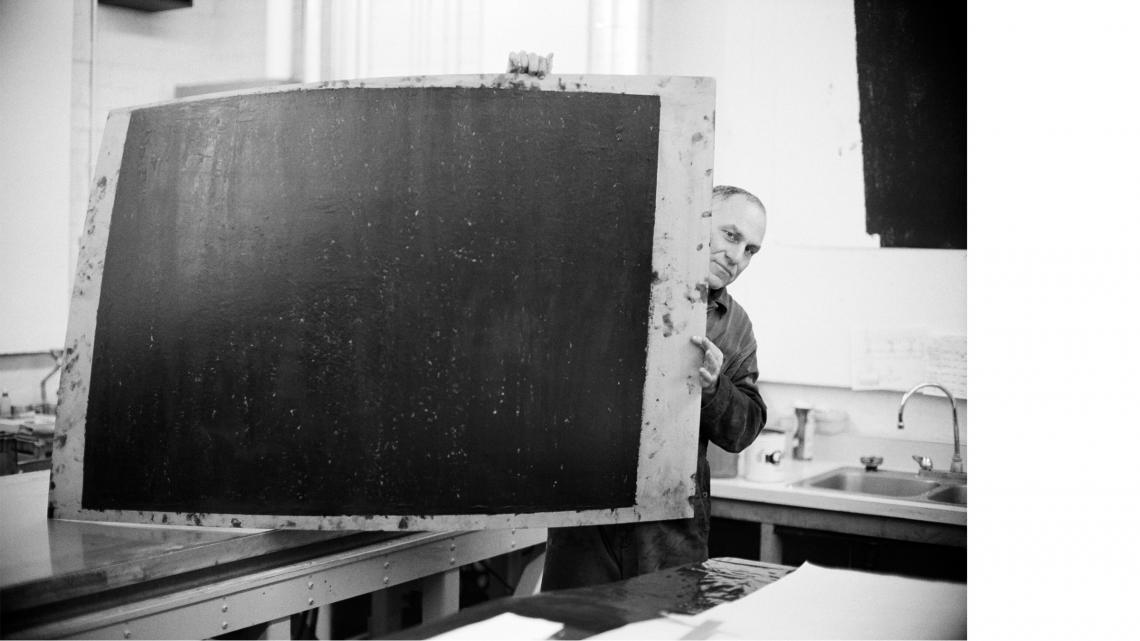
pixel 738 228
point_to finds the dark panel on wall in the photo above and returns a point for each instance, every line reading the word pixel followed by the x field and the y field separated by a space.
pixel 387 310
pixel 912 95
pixel 150 5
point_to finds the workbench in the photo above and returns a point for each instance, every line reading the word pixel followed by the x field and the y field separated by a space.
pixel 75 579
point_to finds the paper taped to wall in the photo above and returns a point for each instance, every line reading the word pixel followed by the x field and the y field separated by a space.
pixel 899 359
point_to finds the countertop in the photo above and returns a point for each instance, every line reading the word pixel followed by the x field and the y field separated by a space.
pixel 784 492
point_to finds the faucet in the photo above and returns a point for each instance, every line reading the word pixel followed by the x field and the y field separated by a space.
pixel 956 461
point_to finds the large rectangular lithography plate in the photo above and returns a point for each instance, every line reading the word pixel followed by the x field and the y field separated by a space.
pixel 416 303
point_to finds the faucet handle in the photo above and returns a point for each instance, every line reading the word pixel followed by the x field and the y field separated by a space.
pixel 871 463
pixel 924 462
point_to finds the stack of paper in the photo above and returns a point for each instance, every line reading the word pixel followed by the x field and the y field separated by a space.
pixel 822 603
pixel 506 627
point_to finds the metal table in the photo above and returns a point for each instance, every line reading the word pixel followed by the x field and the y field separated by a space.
pixel 71 579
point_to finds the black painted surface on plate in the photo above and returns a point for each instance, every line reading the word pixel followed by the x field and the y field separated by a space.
pixel 376 301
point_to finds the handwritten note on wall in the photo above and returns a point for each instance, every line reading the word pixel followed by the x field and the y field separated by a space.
pixel 899 359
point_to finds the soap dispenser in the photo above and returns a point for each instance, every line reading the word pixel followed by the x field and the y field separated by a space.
pixel 805 433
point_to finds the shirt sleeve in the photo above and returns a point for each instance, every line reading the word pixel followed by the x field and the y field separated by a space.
pixel 733 414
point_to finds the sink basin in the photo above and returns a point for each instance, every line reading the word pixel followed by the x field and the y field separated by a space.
pixel 900 485
pixel 955 494
pixel 864 482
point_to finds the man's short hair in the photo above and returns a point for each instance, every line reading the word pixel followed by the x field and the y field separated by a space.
pixel 724 192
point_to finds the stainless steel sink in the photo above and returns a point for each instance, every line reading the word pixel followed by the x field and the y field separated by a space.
pixel 881 483
pixel 955 494
pixel 885 483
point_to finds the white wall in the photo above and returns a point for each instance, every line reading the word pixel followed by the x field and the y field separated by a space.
pixel 787 124
pixel 788 130
pixel 141 57
pixel 813 297
pixel 414 37
pixel 35 77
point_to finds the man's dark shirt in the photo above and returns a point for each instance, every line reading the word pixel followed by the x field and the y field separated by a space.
pixel 731 416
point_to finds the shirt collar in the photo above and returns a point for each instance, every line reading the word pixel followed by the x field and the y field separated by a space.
pixel 718 298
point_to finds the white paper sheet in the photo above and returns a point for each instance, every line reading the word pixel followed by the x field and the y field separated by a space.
pixel 821 603
pixel 506 627
pixel 670 627
pixel 946 363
